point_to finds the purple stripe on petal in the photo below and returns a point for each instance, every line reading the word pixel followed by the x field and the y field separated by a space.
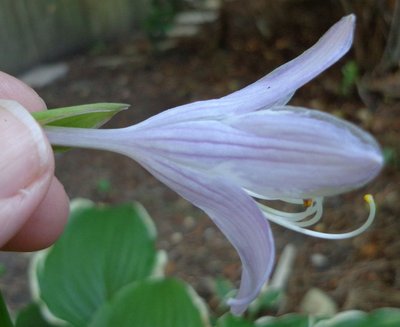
pixel 282 152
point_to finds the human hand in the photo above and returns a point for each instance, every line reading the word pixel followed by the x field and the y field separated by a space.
pixel 33 203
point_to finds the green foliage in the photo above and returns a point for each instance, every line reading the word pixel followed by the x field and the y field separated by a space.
pixel 391 157
pixel 386 317
pixel 5 320
pixel 102 250
pixel 268 299
pixel 223 290
pixel 98 47
pixel 288 320
pixel 153 303
pixel 103 186
pixel 159 19
pixel 31 316
pixel 228 320
pixel 350 76
pixel 105 271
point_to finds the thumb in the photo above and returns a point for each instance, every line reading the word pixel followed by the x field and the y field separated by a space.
pixel 26 167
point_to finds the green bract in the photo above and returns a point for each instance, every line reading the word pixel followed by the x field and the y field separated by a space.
pixel 82 116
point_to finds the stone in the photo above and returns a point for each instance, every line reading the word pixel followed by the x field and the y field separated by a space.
pixel 196 17
pixel 318 260
pixel 43 75
pixel 183 31
pixel 318 303
pixel 284 267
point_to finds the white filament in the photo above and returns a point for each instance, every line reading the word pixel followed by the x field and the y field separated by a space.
pixel 315 208
pixel 296 221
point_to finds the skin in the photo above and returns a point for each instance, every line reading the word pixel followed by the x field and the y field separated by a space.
pixel 33 203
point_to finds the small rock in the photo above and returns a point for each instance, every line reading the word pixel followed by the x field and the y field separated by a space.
pixel 182 31
pixel 318 303
pixel 365 116
pixel 163 244
pixel 176 237
pixel 196 17
pixel 209 233
pixel 212 4
pixel 43 75
pixel 189 222
pixel 284 267
pixel 206 4
pixel 116 61
pixel 318 260
pixel 167 44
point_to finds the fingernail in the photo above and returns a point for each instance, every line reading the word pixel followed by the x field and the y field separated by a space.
pixel 24 151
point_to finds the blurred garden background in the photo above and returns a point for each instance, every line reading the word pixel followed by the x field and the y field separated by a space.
pixel 160 54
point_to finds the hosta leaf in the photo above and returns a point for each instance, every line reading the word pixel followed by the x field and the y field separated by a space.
pixel 103 249
pixel 288 320
pixel 31 316
pixel 154 303
pixel 5 319
pixel 385 317
pixel 228 320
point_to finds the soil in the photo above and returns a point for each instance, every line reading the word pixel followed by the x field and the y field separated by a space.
pixel 359 273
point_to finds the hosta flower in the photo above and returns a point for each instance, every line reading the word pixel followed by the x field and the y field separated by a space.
pixel 224 154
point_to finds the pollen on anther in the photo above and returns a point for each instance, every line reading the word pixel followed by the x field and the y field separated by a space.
pixel 307 203
pixel 368 198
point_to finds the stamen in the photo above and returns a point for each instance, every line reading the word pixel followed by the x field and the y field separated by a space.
pixel 287 220
pixel 317 217
pixel 291 216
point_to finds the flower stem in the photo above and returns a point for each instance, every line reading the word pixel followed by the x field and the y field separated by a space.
pixel 100 139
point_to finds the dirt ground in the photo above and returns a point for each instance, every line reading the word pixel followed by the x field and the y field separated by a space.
pixel 360 273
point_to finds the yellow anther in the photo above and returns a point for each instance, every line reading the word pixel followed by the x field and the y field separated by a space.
pixel 307 203
pixel 368 198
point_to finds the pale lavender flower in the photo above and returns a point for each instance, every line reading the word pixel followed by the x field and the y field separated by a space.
pixel 221 154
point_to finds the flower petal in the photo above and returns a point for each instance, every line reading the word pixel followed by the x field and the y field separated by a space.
pixel 274 89
pixel 277 87
pixel 237 216
pixel 284 152
pixel 231 209
pixel 307 153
